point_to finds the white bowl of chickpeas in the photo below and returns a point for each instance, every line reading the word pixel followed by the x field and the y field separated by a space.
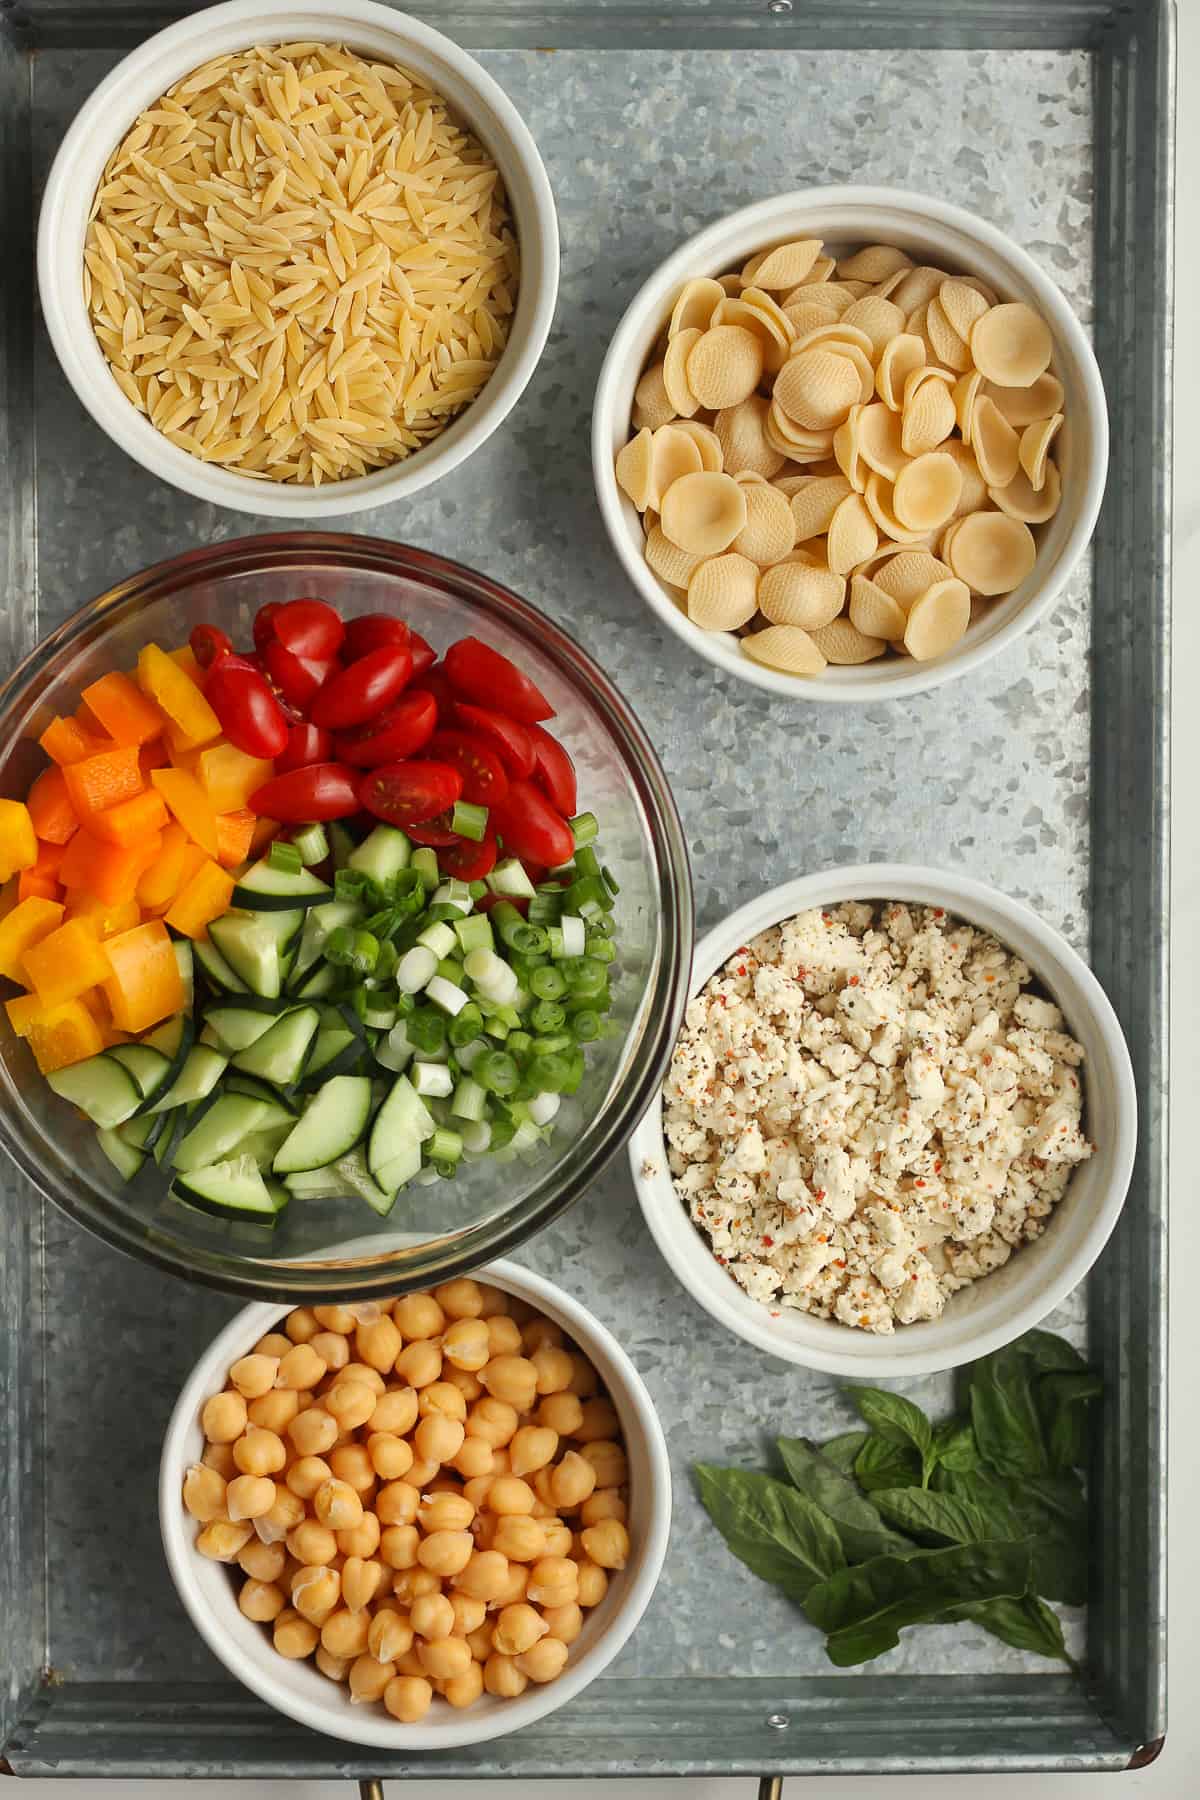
pixel 417 1523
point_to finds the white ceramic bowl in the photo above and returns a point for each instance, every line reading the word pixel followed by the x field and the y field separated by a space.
pixel 932 232
pixel 988 1313
pixel 146 73
pixel 298 1688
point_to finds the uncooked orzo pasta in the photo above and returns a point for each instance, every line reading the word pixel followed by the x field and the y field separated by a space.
pixel 299 265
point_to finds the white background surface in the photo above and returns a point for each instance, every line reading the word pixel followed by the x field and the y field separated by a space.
pixel 1176 1773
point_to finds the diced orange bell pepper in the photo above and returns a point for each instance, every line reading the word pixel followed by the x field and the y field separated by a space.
pixel 188 801
pixel 153 756
pixel 145 985
pixel 87 721
pixel 163 879
pixel 234 832
pixel 192 719
pixel 103 918
pixel 65 741
pixel 185 656
pixel 62 1035
pixel 27 924
pixel 62 965
pixel 54 817
pixel 229 777
pixel 18 839
pixel 100 782
pixel 264 831
pixel 206 897
pixel 49 860
pixel 132 820
pixel 30 883
pixel 110 871
pixel 123 710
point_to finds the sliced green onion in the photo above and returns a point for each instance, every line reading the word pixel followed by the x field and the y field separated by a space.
pixel 584 827
pixel 509 880
pixel 586 862
pixel 465 1026
pixel 516 932
pixel 445 994
pixel 550 1073
pixel 474 933
pixel 349 884
pixel 450 969
pixel 379 1018
pixel 503 1131
pixel 610 880
pixel 519 1043
pixel 586 1026
pixel 425 863
pixel 544 909
pixel 586 896
pixel 492 976
pixel 543 1107
pixel 312 844
pixel 469 821
pixel 427 1031
pixel 547 1016
pixel 438 937
pixel 470 1100
pixel 497 1072
pixel 584 976
pixel 284 857
pixel 600 949
pixel 476 1136
pixel 551 1043
pixel 432 1080
pixel 454 893
pixel 547 983
pixel 477 889
pixel 416 969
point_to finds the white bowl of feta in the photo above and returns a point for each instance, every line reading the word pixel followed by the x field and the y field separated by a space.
pixel 897 1130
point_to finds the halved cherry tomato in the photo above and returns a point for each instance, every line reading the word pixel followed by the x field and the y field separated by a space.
pixel 435 832
pixel 374 631
pixel 209 645
pixel 529 827
pixel 424 655
pixel 306 744
pixel 483 778
pixel 357 693
pixel 298 678
pixel 400 731
pixel 468 861
pixel 434 682
pixel 249 713
pixel 318 791
pixel 264 624
pixel 309 629
pixel 555 771
pixel 479 673
pixel 511 742
pixel 409 793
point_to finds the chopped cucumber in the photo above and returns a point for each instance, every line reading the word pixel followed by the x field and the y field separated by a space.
pixel 233 1187
pixel 382 854
pixel 236 1082
pixel 263 1144
pixel 401 1121
pixel 251 949
pixel 238 1027
pixel 400 1168
pixel 220 1132
pixel 149 1068
pixel 125 1159
pixel 267 889
pixel 341 843
pixel 174 1125
pixel 335 1051
pixel 101 1087
pixel 200 1074
pixel 321 982
pixel 280 1054
pixel 332 1123
pixel 319 925
pixel 187 970
pixel 217 970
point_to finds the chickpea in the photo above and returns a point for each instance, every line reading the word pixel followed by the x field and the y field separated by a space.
pixel 446 1552
pixel 378 1343
pixel 504 1337
pixel 532 1448
pixel 515 1586
pixel 396 1411
pixel 445 1512
pixel 538 1332
pixel 520 1539
pixel 501 1461
pixel 350 1403
pixel 564 1622
pixel 607 1543
pixel 423 1471
pixel 484 1531
pixel 274 1344
pixel 442 1399
pixel 337 1505
pixel 511 1378
pixel 419 1363
pixel 223 1418
pixel 361 1581
pixel 437 1438
pixel 467 1344
pixel 557 1536
pixel 411 1583
pixel 419 1316
pixel 389 1635
pixel 460 1299
pixel 335 1318
pixel 408 1698
pixel 220 1458
pixel 294 1636
pixel 262 1562
pixel 562 1413
pixel 410 1663
pixel 274 1411
pixel 495 1300
pixel 468 1385
pixel 390 1456
pixel 204 1493
pixel 542 1508
pixel 249 1497
pixel 474 1458
pixel 368 1678
pixel 306 1474
pixel 605 1503
pixel 463 1690
pixel 477 1489
pixel 363 1539
pixel 284 1516
pixel 398 1546
pixel 332 1349
pixel 301 1324
pixel 301 1368
pixel 312 1542
pixel 502 1677
pixel 572 1481
pixel 351 1464
pixel 609 1462
pixel 599 1421
pixel 337 1668
pixel 397 1503
pixel 509 1494
pixel 554 1370
pixel 224 1539
pixel 479 1642
pixel 517 1628
pixel 315 1592
pixel 553 1581
pixel 545 1661
pixel 469 1613
pixel 344 1633
pixel 433 1616
pixel 593 1580
pixel 313 1431
pixel 361 1372
pixel 485 1575
pixel 585 1382
pixel 254 1375
pixel 444 1658
pixel 542 1480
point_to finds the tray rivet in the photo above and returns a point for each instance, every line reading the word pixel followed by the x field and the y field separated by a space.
pixel 779 7
pixel 779 1721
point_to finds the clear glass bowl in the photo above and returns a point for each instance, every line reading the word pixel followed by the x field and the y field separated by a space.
pixel 448 1227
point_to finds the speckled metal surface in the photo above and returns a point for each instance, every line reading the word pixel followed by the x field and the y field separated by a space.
pixel 991 775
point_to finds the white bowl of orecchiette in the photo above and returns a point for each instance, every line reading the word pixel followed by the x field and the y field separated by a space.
pixel 849 443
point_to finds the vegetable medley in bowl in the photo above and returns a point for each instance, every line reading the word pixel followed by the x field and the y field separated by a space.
pixel 307 916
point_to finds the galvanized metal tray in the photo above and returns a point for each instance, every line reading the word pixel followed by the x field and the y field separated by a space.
pixel 1046 774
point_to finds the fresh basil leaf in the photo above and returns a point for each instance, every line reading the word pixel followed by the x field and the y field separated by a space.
pixel 1062 1404
pixel 863 1609
pixel 862 1532
pixel 925 1514
pixel 893 1417
pixel 954 1445
pixel 1026 1624
pixel 1049 1511
pixel 1051 1354
pixel 775 1531
pixel 842 1451
pixel 1007 1428
pixel 883 1464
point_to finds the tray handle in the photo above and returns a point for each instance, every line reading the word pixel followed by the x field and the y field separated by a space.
pixel 770 1787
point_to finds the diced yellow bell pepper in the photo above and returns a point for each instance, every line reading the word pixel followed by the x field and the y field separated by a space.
pixel 206 897
pixel 229 777
pixel 190 805
pixel 28 923
pixel 18 839
pixel 65 963
pixel 145 985
pixel 62 1035
pixel 191 719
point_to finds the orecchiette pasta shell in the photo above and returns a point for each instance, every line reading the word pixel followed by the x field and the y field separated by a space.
pixel 994 443
pixel 842 642
pixel 815 504
pixel 770 530
pixel 886 288
pixel 879 440
pixel 723 593
pixel 730 284
pixel 846 451
pixel 852 535
pixel 792 483
pixel 651 402
pixel 695 306
pixel 633 467
pixel 742 434
pixel 820 293
pixel 947 538
pixel 937 620
pixel 917 288
pixel 951 350
pixel 991 552
pixel 672 454
pixel 704 513
pixel 1020 501
pixel 809 317
pixel 817 389
pixel 711 454
pixel 786 266
pixel 928 416
pixel 906 574
pixel 916 326
pixel 902 357
pixel 675 379
pixel 774 337
pixel 878 318
pixel 874 612
pixel 824 337
pixel 1011 344
pixel 961 305
pixel 873 263
pixel 1025 406
pixel 784 647
pixel 793 593
pixel 966 392
pixel 974 488
pixel 725 365
pixel 822 269
pixel 1035 443
pixel 793 440
pixel 770 313
pixel 671 564
pixel 751 478
pixel 862 362
pixel 881 507
pixel 927 491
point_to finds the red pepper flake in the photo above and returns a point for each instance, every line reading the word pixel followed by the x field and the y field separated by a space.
pixel 768 1240
pixel 741 968
pixel 853 981
pixel 939 912
pixel 919 1184
pixel 839 1262
pixel 937 1168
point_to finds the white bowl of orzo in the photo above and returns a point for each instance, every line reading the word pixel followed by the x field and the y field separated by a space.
pixel 899 1125
pixel 298 261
